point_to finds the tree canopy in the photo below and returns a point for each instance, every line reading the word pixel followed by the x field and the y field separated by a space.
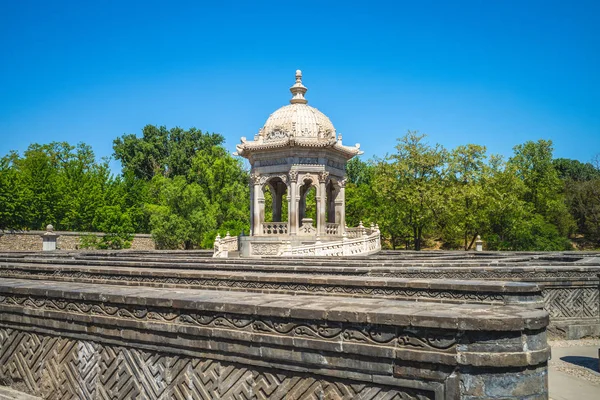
pixel 184 187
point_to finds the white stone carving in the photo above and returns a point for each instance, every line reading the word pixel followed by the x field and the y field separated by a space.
pixel 299 145
pixel 277 134
pixel 275 228
pixel 307 227
pixel 265 249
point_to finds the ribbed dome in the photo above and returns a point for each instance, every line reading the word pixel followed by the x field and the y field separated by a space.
pixel 297 119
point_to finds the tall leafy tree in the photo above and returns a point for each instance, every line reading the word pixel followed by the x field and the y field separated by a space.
pixel 162 151
pixel 575 170
pixel 544 190
pixel 466 176
pixel 411 183
pixel 13 209
pixel 181 213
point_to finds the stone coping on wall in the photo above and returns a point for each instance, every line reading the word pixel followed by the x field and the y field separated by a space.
pixel 93 300
pixel 447 291
pixel 537 273
pixel 65 233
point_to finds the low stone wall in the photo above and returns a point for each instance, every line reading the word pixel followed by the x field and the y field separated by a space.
pixel 32 241
pixel 66 340
pixel 570 289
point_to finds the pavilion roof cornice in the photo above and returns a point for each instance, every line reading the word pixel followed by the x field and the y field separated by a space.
pixel 246 148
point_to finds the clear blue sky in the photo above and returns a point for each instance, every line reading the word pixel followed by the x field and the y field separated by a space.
pixel 491 72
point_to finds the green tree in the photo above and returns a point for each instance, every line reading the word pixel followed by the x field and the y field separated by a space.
pixel 38 170
pixel 163 151
pixel 360 197
pixel 467 203
pixel 575 170
pixel 224 184
pixel 181 213
pixel 116 226
pixel 13 209
pixel 514 223
pixel 583 199
pixel 410 182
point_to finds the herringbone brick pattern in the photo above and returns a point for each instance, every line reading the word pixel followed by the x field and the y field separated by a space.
pixel 65 368
pixel 572 303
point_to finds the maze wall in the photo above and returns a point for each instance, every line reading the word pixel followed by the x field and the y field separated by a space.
pixel 572 302
pixel 63 368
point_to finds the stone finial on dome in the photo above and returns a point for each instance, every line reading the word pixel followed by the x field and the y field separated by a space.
pixel 298 90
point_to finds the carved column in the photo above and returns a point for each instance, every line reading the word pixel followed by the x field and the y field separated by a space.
pixel 256 226
pixel 322 203
pixel 342 205
pixel 293 203
pixel 332 202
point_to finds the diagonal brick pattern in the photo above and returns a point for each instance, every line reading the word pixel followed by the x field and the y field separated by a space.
pixel 64 368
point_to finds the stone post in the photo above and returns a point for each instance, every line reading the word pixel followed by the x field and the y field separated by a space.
pixel 342 208
pixel 293 204
pixel 49 239
pixel 345 249
pixel 256 225
pixel 322 203
pixel 478 244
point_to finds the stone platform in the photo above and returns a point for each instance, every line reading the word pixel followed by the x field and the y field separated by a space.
pixel 151 325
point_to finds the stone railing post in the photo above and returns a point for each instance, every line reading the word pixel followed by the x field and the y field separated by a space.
pixel 321 203
pixel 345 249
pixel 217 245
pixel 479 244
pixel 49 239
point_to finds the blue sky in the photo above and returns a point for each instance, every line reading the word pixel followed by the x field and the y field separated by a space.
pixel 495 73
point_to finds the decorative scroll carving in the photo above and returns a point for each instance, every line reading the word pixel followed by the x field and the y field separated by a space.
pixel 309 177
pixel 276 134
pixel 245 284
pixel 307 227
pixel 293 176
pixel 262 179
pixel 323 175
pixel 255 178
pixel 265 249
pixel 65 368
pixel 394 336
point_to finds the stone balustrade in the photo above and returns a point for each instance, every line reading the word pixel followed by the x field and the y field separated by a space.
pixel 332 229
pixel 364 245
pixel 360 231
pixel 274 228
pixel 224 245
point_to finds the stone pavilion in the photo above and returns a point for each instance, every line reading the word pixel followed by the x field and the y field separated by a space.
pixel 296 150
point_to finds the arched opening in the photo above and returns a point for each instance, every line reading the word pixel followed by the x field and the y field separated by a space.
pixel 276 205
pixel 332 214
pixel 308 202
